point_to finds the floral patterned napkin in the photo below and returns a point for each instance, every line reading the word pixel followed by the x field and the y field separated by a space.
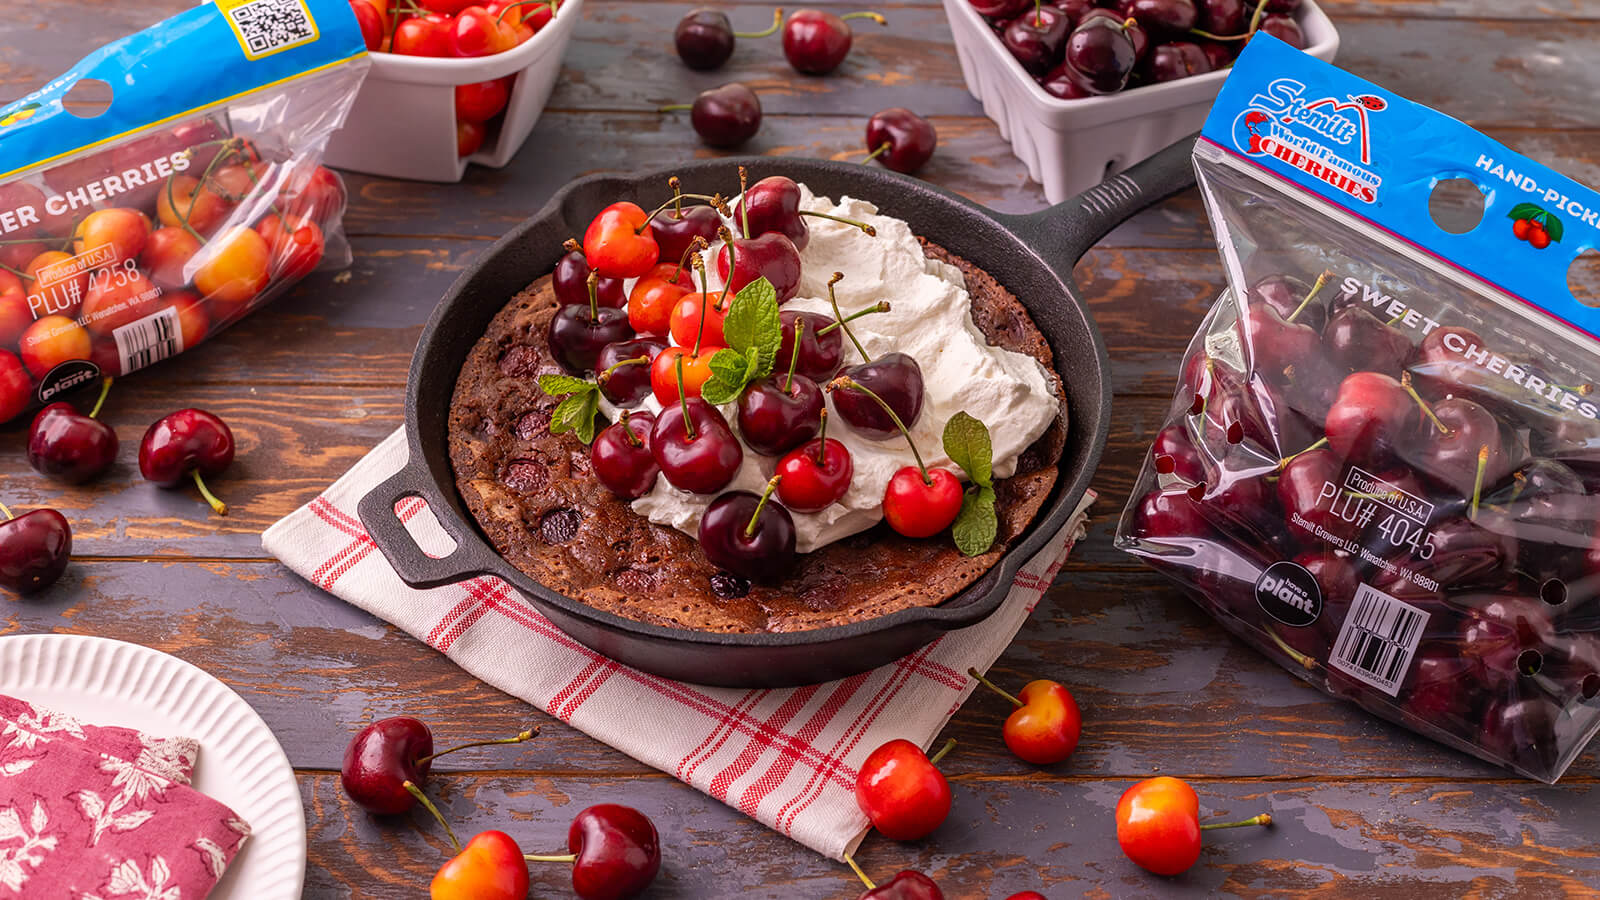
pixel 104 813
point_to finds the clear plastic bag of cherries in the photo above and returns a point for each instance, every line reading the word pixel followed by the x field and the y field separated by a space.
pixel 1381 465
pixel 140 218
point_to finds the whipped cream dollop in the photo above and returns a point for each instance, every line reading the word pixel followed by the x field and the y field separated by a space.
pixel 931 320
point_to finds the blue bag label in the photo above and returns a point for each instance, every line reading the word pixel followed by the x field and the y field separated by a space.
pixel 1380 157
pixel 195 60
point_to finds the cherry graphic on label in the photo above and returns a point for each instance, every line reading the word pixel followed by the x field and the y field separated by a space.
pixel 1531 223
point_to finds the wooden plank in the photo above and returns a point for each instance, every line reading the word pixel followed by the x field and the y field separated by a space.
pixel 1350 838
pixel 1163 688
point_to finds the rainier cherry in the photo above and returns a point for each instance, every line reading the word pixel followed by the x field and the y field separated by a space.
pixel 902 791
pixel 1044 727
pixel 619 244
pixel 489 867
pixel 1158 825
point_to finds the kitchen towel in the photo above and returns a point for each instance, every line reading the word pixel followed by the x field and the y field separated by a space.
pixel 786 757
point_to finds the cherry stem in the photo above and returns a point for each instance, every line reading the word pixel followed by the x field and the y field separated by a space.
pixel 627 431
pixel 994 687
pixel 19 274
pixel 871 232
pixel 867 14
pixel 514 739
pixel 850 861
pixel 711 200
pixel 846 382
pixel 1037 11
pixel 755 517
pixel 838 277
pixel 1263 819
pixel 878 152
pixel 1255 20
pixel 105 388
pixel 563 858
pixel 217 505
pixel 822 438
pixel 882 306
pixel 1320 442
pixel 777 22
pixel 1315 289
pixel 1405 382
pixel 172 204
pixel 509 7
pixel 674 107
pixel 631 361
pixel 744 211
pixel 705 300
pixel 1477 481
pixel 794 356
pixel 1301 658
pixel 427 804
pixel 1395 319
pixel 733 257
pixel 571 245
pixel 683 399
pixel 1217 37
pixel 3 509
pixel 695 246
pixel 943 752
pixel 593 284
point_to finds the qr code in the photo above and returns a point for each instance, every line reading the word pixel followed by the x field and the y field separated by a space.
pixel 267 26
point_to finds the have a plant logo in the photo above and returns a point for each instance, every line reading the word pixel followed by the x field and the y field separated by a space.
pixel 1533 224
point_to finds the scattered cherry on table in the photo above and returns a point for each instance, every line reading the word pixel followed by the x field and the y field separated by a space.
pixel 70 446
pixel 488 867
pixel 902 791
pixel 188 443
pixel 35 548
pixel 1045 726
pixel 1158 825
pixel 900 139
pixel 387 762
pixel 724 116
pixel 704 38
pixel 614 850
pixel 816 41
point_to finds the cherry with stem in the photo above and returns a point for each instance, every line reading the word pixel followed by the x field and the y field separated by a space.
pixel 427 804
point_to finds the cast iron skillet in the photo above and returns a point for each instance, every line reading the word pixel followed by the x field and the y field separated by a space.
pixel 1033 256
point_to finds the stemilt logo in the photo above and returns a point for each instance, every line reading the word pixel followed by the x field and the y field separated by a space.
pixel 1326 138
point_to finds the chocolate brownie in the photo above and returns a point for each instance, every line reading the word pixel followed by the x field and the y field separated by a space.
pixel 535 497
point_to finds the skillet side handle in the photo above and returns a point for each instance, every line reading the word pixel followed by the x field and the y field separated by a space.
pixel 1066 231
pixel 389 534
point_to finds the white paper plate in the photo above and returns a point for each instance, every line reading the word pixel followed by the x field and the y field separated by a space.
pixel 106 682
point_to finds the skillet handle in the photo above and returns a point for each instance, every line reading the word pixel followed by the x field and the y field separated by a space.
pixel 415 568
pixel 1066 231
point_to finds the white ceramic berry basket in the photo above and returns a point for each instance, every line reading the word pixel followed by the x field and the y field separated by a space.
pixel 403 123
pixel 1072 145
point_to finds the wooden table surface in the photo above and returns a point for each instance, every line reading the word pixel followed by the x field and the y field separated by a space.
pixel 312 382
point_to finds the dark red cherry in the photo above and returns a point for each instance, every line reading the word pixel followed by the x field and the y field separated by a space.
pixel 726 116
pixel 1357 340
pixel 1441 687
pixel 815 41
pixel 1170 62
pixel 773 204
pixel 907 885
pixel 621 456
pixel 901 139
pixel 35 548
pixel 675 230
pixel 1075 9
pixel 1037 38
pixel 1222 17
pixel 190 443
pixel 623 369
pixel 1168 514
pixel 777 413
pixel 1371 417
pixel 1163 18
pixel 1000 9
pixel 749 534
pixel 1066 83
pixel 68 445
pixel 570 280
pixel 1310 492
pixel 381 758
pixel 820 353
pixel 1175 454
pixel 1220 54
pixel 704 39
pixel 577 334
pixel 771 256
pixel 1285 29
pixel 897 379
pixel 1102 51
pixel 618 850
pixel 1523 733
pixel 1450 456
pixel 1287 295
pixel 694 447
pixel 1275 343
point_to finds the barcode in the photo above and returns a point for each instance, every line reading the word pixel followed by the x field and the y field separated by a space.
pixel 149 340
pixel 267 26
pixel 1378 638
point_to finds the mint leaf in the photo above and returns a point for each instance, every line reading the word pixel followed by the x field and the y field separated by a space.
pixel 753 368
pixel 966 442
pixel 752 323
pixel 977 524
pixel 729 366
pixel 577 409
pixel 716 391
pixel 556 385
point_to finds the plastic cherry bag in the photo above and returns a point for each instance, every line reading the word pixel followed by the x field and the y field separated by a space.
pixel 133 230
pixel 1382 461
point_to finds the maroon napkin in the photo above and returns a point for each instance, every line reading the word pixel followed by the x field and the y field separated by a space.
pixel 92 813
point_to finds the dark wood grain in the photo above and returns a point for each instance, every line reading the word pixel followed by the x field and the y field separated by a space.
pixel 1363 808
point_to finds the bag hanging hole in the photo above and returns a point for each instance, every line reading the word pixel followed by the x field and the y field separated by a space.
pixel 1583 277
pixel 1456 205
pixel 87 99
